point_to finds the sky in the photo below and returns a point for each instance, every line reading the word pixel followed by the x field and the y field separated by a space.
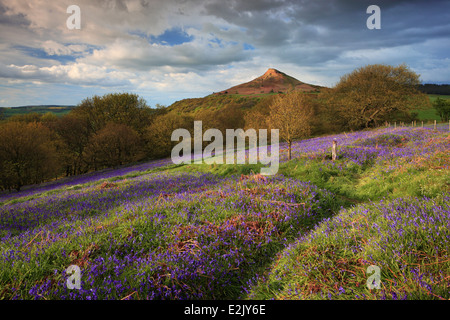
pixel 169 50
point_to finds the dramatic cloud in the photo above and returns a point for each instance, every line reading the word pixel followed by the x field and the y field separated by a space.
pixel 169 50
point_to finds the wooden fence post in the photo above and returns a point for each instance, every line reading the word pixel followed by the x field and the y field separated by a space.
pixel 434 124
pixel 334 150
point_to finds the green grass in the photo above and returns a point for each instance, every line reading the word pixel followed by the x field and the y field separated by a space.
pixel 332 261
pixel 433 97
pixel 430 114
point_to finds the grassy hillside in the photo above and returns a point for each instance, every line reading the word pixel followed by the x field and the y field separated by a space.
pixel 160 231
pixel 246 102
pixel 214 102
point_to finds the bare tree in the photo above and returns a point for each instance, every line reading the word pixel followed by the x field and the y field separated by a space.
pixel 291 113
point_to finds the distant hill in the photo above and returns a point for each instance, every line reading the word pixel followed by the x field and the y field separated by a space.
pixel 273 81
pixel 245 95
pixel 58 110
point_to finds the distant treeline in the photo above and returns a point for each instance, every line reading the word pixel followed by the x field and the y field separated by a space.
pixel 430 88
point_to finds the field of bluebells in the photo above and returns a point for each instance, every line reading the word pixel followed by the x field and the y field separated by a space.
pixel 156 231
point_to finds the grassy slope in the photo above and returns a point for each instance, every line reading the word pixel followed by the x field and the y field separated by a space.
pixel 329 262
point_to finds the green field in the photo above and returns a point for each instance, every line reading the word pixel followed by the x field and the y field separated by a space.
pixel 433 97
pixel 430 114
pixel 55 109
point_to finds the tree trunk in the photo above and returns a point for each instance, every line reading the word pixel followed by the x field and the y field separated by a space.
pixel 289 149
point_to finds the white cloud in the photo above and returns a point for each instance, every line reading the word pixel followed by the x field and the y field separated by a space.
pixel 54 48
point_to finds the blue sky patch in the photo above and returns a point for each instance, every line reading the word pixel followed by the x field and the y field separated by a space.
pixel 170 37
pixel 248 46
pixel 41 54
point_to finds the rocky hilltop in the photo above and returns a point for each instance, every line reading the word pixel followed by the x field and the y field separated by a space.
pixel 271 81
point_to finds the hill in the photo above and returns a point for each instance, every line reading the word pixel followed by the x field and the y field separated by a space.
pixel 245 95
pixel 272 81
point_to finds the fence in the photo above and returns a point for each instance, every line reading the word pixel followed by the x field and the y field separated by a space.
pixel 421 124
pixel 442 126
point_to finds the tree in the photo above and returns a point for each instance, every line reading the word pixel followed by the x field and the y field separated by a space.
pixel 442 107
pixel 123 108
pixel 291 113
pixel 114 145
pixel 229 116
pixel 257 116
pixel 75 132
pixel 27 154
pixel 48 119
pixel 26 117
pixel 158 135
pixel 374 94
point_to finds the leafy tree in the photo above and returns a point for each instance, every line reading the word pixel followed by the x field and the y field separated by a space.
pixel 114 145
pixel 442 107
pixel 27 117
pixel 48 118
pixel 27 154
pixel 373 94
pixel 158 135
pixel 256 117
pixel 291 113
pixel 229 116
pixel 123 108
pixel 75 133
